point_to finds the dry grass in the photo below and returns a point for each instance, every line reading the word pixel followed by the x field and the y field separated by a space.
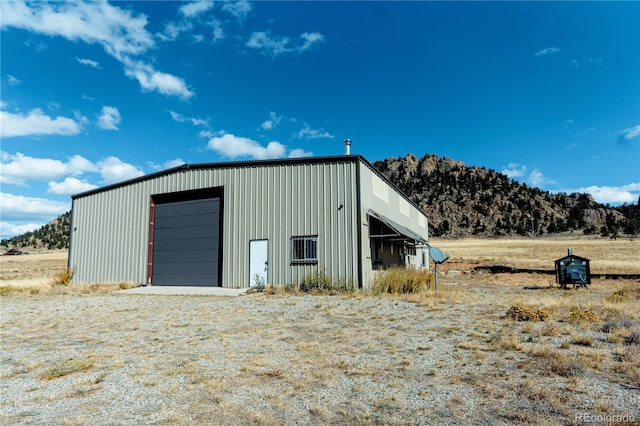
pixel 396 280
pixel 65 368
pixel 282 357
pixel 63 277
pixel 52 289
pixel 607 256
pixel 45 274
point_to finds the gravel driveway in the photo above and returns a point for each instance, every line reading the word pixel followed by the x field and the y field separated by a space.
pixel 115 359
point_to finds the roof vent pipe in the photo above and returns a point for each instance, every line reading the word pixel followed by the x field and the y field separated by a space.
pixel 569 252
pixel 347 146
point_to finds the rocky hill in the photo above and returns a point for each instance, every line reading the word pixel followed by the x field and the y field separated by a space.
pixel 53 235
pixel 466 201
pixel 459 201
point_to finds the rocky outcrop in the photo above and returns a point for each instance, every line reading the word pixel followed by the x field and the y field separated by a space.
pixel 462 201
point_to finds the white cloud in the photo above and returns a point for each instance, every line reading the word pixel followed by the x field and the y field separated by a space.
pixel 199 121
pixel 13 81
pixel 36 123
pixel 195 121
pixel 240 9
pixel 547 51
pixel 168 165
pixel 217 31
pixel 81 119
pixel 70 186
pixel 571 146
pixel 275 46
pixel 117 30
pixel 78 165
pixel 631 132
pixel 151 80
pixel 233 146
pixel 272 122
pixel 514 170
pixel 299 152
pixel 88 62
pixel 310 39
pixel 22 168
pixel 192 9
pixel 112 170
pixel 308 133
pixel 109 118
pixel 18 169
pixel 575 63
pixel 269 46
pixel 172 30
pixel 40 47
pixel 8 229
pixel 205 134
pixel 19 207
pixel 173 163
pixel 588 130
pixel 611 194
pixel 519 172
pixel 536 178
pixel 121 33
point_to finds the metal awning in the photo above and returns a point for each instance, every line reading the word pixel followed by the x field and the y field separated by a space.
pixel 400 231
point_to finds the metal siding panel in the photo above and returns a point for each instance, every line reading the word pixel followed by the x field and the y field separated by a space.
pixel 389 209
pixel 271 201
pixel 104 227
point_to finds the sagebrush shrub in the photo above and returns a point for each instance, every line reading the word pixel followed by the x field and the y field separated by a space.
pixel 319 281
pixel 633 338
pixel 527 313
pixel 583 316
pixel 617 324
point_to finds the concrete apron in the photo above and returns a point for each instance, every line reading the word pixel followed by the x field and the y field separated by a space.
pixel 185 291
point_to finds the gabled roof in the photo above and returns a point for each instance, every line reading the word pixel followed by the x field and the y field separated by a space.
pixel 571 257
pixel 353 158
pixel 235 164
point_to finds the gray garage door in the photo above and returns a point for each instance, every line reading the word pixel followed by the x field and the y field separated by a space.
pixel 186 241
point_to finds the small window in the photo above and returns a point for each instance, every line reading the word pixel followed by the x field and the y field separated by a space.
pixel 304 249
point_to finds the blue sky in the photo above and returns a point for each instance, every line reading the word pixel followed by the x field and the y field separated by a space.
pixel 94 93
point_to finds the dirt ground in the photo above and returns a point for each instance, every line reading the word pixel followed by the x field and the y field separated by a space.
pixel 459 356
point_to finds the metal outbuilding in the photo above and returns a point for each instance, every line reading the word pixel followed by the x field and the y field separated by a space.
pixel 574 270
pixel 239 224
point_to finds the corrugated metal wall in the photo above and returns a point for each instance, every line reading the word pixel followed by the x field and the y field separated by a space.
pixel 377 195
pixel 109 237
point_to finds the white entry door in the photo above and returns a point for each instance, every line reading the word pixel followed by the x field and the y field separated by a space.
pixel 258 262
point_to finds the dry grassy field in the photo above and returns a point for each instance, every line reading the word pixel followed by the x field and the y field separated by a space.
pixel 607 256
pixel 483 350
pixel 32 270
